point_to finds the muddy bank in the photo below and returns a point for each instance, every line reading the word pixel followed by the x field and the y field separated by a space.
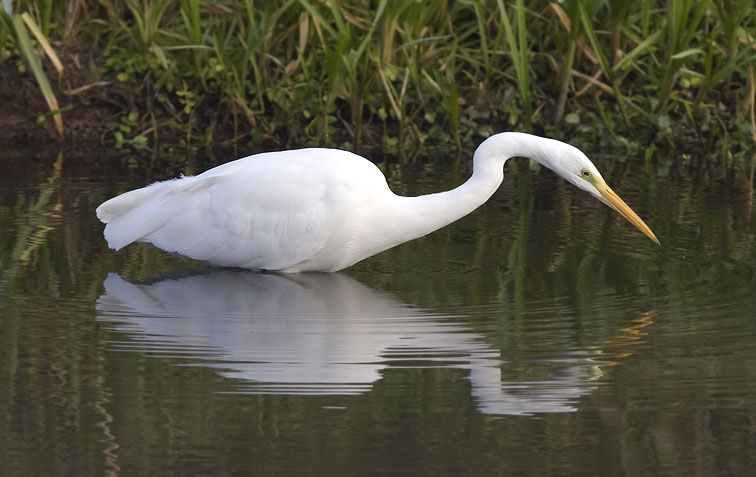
pixel 89 103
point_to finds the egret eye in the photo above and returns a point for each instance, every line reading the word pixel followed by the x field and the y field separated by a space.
pixel 585 173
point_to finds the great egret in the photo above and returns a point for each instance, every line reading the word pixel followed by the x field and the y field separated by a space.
pixel 321 209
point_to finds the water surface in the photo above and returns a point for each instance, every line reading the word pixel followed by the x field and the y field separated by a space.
pixel 540 335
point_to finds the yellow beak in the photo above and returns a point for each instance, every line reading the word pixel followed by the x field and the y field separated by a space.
pixel 611 199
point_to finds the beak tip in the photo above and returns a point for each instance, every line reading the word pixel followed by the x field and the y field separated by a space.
pixel 610 198
pixel 651 235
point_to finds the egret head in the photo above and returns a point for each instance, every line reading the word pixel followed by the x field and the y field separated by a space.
pixel 570 163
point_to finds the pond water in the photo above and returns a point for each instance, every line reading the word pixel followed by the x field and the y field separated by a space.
pixel 541 335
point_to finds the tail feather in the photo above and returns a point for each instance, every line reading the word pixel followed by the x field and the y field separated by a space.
pixel 132 216
pixel 134 225
pixel 124 203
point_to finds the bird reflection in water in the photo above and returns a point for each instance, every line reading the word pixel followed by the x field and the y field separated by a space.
pixel 320 334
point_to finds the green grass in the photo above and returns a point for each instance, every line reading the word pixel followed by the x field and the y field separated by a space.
pixel 17 27
pixel 403 75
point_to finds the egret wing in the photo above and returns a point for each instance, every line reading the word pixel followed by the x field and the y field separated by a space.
pixel 253 222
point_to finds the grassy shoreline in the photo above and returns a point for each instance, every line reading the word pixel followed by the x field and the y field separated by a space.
pixel 388 74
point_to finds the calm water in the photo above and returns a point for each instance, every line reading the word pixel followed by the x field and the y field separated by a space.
pixel 542 335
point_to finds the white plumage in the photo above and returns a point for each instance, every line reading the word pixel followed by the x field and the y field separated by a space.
pixel 318 209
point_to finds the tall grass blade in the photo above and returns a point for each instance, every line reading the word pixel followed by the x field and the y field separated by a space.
pixel 606 68
pixel 682 26
pixel 191 10
pixel 643 48
pixel 481 22
pixel 564 72
pixel 42 40
pixel 518 50
pixel 27 49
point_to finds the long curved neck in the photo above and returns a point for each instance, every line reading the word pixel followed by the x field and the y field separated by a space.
pixel 421 215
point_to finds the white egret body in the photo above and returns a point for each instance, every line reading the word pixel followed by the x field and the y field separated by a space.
pixel 320 209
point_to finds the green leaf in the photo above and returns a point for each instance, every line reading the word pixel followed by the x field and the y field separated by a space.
pixel 27 49
pixel 686 53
